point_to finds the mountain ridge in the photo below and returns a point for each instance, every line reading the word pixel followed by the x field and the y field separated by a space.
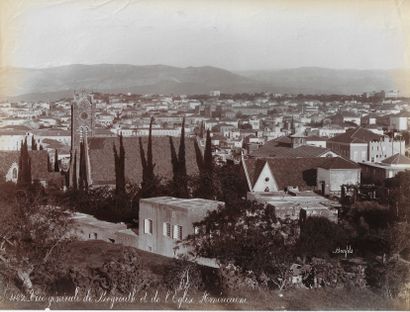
pixel 23 83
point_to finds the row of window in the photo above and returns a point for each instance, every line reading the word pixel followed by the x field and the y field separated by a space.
pixel 174 232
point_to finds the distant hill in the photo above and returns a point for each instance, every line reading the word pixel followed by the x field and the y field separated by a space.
pixel 316 80
pixel 159 79
pixel 57 82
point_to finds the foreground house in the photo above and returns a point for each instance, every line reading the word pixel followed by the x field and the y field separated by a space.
pixel 163 221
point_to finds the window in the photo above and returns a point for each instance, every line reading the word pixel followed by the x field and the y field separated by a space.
pixel 267 179
pixel 166 229
pixel 147 226
pixel 197 230
pixel 177 234
pixel 14 173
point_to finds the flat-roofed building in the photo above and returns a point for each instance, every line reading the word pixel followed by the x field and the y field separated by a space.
pixel 165 220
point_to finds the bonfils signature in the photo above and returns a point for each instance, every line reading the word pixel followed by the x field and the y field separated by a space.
pixel 345 251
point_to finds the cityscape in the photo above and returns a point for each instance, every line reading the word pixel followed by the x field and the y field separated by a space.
pixel 186 186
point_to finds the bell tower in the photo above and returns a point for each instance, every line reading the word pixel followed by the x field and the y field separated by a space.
pixel 82 118
pixel 82 126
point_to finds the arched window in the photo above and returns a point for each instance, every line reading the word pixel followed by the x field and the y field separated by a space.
pixel 14 173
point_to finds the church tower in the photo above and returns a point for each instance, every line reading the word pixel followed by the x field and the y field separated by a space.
pixel 82 126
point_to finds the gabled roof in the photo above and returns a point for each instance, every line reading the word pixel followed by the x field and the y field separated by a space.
pixel 299 172
pixel 357 135
pixel 102 158
pixel 397 159
pixel 338 163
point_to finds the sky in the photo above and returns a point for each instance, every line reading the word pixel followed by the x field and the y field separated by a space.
pixel 235 35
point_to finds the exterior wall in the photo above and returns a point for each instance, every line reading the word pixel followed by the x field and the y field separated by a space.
pixel 323 176
pixel 12 142
pixel 90 231
pixel 316 143
pixel 335 178
pixel 330 132
pixel 157 242
pixel 380 150
pixel 377 175
pixel 343 176
pixel 265 181
pixel 355 120
pixel 371 174
pixel 12 173
pixel 358 152
pixel 398 123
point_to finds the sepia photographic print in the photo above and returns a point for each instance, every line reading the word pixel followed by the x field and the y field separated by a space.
pixel 205 155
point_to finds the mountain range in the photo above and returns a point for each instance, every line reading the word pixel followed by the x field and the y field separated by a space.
pixel 57 82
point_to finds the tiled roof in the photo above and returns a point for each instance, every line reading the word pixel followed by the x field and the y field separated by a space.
pixel 357 135
pixel 102 158
pixel 397 159
pixel 338 163
pixel 303 151
pixel 282 139
pixel 299 172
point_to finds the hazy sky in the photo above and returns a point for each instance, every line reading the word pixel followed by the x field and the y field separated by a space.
pixel 236 35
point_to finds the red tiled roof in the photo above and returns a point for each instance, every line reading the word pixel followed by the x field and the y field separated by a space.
pixel 102 158
pixel 358 135
pixel 397 159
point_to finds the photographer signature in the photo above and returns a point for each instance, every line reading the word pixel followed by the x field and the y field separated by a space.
pixel 345 251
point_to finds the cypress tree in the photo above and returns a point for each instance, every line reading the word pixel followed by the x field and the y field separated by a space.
pixel 198 155
pixel 143 161
pixel 150 164
pixel 29 178
pixel 48 163
pixel 20 172
pixel 33 143
pixel 175 171
pixel 182 174
pixel 82 182
pixel 149 180
pixel 208 160
pixel 122 164
pixel 116 164
pixel 75 171
pixel 24 174
pixel 56 167
pixel 206 172
pixel 119 168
